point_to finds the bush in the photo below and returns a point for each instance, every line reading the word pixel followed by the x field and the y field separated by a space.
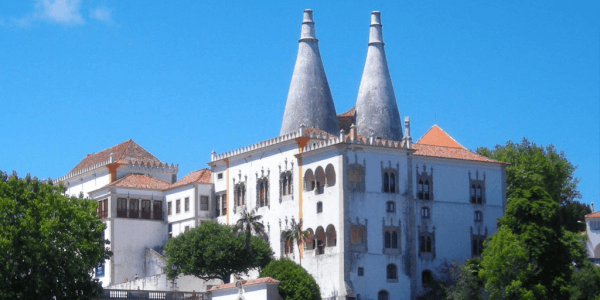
pixel 296 283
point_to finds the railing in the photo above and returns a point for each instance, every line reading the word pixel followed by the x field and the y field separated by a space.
pixel 158 295
pixel 157 214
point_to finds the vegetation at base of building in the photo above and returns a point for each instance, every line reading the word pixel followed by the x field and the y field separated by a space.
pixel 531 165
pixel 296 283
pixel 531 256
pixel 249 224
pixel 213 251
pixel 296 234
pixel 49 243
pixel 586 282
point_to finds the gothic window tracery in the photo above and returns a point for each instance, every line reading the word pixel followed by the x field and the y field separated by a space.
pixel 477 188
pixel 425 183
pixel 356 175
pixel 426 243
pixel 391 238
pixel 389 178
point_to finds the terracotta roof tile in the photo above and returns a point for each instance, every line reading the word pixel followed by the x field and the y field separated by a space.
pixel 450 152
pixel 123 153
pixel 438 137
pixel 593 215
pixel 200 176
pixel 350 113
pixel 317 131
pixel 138 181
pixel 245 282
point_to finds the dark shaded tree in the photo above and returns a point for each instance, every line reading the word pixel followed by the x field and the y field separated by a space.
pixel 249 224
pixel 296 283
pixel 49 243
pixel 586 282
pixel 213 251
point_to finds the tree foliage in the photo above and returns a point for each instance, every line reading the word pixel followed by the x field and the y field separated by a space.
pixel 296 234
pixel 531 165
pixel 213 251
pixel 586 282
pixel 296 283
pixel 532 255
pixel 249 224
pixel 49 243
pixel 466 284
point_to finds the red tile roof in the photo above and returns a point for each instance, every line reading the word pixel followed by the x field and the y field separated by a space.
pixel 317 131
pixel 138 181
pixel 350 113
pixel 123 153
pixel 438 137
pixel 593 215
pixel 200 176
pixel 450 152
pixel 245 282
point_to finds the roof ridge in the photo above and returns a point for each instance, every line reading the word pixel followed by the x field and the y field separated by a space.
pixel 444 132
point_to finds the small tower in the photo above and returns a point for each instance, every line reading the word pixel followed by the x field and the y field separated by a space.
pixel 376 109
pixel 309 100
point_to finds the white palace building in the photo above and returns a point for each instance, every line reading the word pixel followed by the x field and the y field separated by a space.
pixel 383 211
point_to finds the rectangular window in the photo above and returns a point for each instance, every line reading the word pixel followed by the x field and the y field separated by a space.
pixel 177 206
pixel 187 204
pixel 157 210
pixel 391 206
pixel 224 204
pixel 220 176
pixel 187 228
pixel 361 271
pixel 146 209
pixel 204 203
pixel 122 208
pixel 134 208
pixel 169 208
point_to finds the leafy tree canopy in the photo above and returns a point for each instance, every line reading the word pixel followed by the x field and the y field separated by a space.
pixel 49 243
pixel 586 282
pixel 213 251
pixel 531 165
pixel 531 256
pixel 296 283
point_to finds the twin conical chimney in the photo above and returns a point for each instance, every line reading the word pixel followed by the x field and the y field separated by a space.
pixel 309 100
pixel 376 109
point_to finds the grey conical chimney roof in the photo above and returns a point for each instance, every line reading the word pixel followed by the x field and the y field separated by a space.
pixel 376 109
pixel 309 100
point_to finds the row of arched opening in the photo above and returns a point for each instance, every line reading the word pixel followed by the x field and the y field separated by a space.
pixel 321 238
pixel 319 179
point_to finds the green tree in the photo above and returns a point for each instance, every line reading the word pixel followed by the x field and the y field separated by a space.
pixel 213 251
pixel 586 282
pixel 296 283
pixel 532 255
pixel 531 165
pixel 297 235
pixel 466 284
pixel 49 243
pixel 249 224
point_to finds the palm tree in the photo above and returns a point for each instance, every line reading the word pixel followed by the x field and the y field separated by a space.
pixel 296 234
pixel 249 224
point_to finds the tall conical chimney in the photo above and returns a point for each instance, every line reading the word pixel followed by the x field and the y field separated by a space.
pixel 309 100
pixel 376 109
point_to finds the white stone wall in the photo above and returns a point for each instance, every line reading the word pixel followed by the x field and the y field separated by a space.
pixel 262 291
pixel 593 231
pixel 130 239
pixel 87 182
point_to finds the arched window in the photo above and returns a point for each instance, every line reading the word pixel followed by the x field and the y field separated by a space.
pixel 319 207
pixel 388 238
pixel 284 185
pixel 392 272
pixel 479 195
pixel 394 240
pixel 386 182
pixel 309 180
pixel 288 243
pixel 390 206
pixel 392 183
pixel 264 193
pixel 310 243
pixel 330 175
pixel 426 278
pixel 320 240
pixel 420 190
pixel 383 295
pixel 319 180
pixel 473 198
pixel 331 236
pixel 426 190
pixel 428 245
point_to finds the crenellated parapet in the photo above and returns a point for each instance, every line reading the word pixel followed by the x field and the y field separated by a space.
pixel 141 167
pixel 319 140
pixel 85 170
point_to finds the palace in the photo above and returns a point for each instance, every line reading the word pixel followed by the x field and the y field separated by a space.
pixel 383 212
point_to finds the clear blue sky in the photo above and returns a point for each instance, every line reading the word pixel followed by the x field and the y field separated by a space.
pixel 186 77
